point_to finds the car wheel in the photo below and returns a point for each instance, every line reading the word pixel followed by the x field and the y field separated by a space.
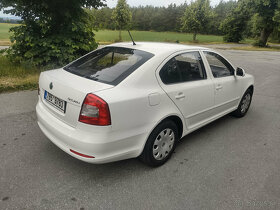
pixel 160 144
pixel 244 104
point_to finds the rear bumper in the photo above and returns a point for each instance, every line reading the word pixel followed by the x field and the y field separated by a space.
pixel 100 142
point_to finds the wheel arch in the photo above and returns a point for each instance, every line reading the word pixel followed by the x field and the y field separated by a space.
pixel 172 117
pixel 177 120
pixel 251 87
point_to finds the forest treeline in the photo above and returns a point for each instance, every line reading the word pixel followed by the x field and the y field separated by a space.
pixel 51 34
pixel 8 20
pixel 150 18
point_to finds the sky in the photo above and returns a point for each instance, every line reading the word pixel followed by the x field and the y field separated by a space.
pixel 112 3
pixel 135 3
pixel 4 15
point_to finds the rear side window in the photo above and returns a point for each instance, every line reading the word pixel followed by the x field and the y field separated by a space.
pixel 183 68
pixel 219 66
pixel 109 65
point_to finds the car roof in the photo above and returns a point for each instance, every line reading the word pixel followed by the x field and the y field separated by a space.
pixel 157 47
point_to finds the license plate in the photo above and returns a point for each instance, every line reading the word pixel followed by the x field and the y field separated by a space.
pixel 56 102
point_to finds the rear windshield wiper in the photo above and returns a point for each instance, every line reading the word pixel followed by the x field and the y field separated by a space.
pixel 91 77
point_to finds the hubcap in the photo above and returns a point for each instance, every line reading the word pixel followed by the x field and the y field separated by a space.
pixel 163 144
pixel 245 103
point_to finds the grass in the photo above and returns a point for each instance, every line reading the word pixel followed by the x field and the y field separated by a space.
pixel 5 34
pixel 15 77
pixel 108 36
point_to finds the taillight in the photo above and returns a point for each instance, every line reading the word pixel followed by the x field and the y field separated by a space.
pixel 95 111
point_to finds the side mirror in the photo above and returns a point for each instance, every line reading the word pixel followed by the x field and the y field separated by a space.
pixel 240 72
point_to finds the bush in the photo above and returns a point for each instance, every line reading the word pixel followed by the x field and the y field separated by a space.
pixel 42 47
pixel 52 33
pixel 233 27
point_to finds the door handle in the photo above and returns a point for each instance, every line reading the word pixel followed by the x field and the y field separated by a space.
pixel 218 87
pixel 180 96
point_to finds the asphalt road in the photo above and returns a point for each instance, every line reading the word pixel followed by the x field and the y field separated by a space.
pixel 229 164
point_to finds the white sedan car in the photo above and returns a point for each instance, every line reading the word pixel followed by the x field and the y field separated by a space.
pixel 124 101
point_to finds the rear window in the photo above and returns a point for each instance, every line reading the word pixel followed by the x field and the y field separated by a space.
pixel 109 65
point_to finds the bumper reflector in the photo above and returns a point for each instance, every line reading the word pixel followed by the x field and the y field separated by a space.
pixel 80 154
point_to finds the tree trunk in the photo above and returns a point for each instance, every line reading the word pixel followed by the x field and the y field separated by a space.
pixel 264 37
pixel 194 36
pixel 120 35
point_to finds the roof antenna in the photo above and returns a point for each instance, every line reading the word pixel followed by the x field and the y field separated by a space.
pixel 131 37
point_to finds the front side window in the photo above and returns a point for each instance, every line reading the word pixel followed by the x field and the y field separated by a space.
pixel 219 66
pixel 183 68
pixel 109 65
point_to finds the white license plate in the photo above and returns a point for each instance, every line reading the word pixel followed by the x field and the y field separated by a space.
pixel 56 102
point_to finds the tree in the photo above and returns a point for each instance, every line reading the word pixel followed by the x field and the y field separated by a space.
pixel 142 18
pixel 102 18
pixel 266 13
pixel 259 15
pixel 52 32
pixel 221 11
pixel 276 31
pixel 235 24
pixel 122 16
pixel 196 17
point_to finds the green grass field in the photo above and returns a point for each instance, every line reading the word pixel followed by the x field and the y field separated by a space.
pixel 112 36
pixel 108 36
pixel 4 30
pixel 4 33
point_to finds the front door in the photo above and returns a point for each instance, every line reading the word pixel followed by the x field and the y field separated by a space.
pixel 226 91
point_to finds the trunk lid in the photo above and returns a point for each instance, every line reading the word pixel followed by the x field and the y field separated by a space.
pixel 70 88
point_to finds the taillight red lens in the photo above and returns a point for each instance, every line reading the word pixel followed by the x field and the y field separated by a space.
pixel 95 111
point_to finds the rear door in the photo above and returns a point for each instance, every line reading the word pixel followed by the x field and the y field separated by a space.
pixel 226 91
pixel 184 79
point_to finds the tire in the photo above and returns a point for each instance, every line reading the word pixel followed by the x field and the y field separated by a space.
pixel 244 104
pixel 160 144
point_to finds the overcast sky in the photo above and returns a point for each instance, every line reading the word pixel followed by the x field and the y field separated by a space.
pixel 135 3
pixel 4 15
pixel 112 3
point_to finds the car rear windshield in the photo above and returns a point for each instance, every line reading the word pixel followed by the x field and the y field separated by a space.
pixel 109 65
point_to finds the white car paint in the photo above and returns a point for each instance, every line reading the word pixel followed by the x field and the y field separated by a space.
pixel 137 105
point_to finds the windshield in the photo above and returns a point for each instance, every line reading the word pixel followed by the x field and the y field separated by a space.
pixel 109 65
